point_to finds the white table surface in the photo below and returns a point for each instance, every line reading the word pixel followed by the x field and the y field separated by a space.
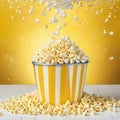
pixel 7 91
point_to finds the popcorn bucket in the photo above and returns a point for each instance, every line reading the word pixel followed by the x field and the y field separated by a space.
pixel 58 83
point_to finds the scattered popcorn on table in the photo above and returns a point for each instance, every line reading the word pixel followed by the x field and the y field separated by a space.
pixel 89 104
pixel 1 114
pixel 1 105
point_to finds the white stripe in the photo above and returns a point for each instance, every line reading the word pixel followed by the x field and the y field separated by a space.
pixel 46 83
pixel 83 80
pixel 71 78
pixel 57 85
pixel 77 83
pixel 38 82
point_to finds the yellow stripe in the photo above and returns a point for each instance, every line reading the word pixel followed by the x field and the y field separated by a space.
pixel 81 77
pixel 74 81
pixel 51 71
pixel 41 76
pixel 68 84
pixel 35 77
pixel 64 85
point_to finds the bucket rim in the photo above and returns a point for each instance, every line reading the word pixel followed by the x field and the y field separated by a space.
pixel 40 64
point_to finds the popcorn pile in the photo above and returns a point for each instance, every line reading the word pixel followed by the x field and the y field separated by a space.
pixel 61 51
pixel 89 105
pixel 0 114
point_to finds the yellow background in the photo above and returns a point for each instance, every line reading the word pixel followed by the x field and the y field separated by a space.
pixel 21 39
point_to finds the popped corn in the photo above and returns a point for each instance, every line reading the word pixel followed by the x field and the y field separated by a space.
pixel 105 31
pixel 12 17
pixel 61 51
pixel 89 104
pixel 111 58
pixel 64 4
pixel 1 114
pixel 111 33
pixel 31 10
pixel 106 20
pixel 59 27
pixel 53 19
pixel 97 12
pixel 1 105
pixel 23 18
pixel 37 20
pixel 60 7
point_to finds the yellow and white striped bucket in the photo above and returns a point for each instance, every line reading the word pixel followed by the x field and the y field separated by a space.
pixel 58 83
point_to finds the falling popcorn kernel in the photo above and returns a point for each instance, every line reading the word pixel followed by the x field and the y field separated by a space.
pixel 111 33
pixel 59 27
pixel 17 0
pixel 109 16
pixel 31 10
pixel 106 20
pixel 23 18
pixel 12 17
pixel 97 12
pixel 111 58
pixel 43 13
pixel 11 7
pixel 105 31
pixel 37 20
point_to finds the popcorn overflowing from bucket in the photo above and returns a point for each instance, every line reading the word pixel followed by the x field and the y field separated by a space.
pixel 61 51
